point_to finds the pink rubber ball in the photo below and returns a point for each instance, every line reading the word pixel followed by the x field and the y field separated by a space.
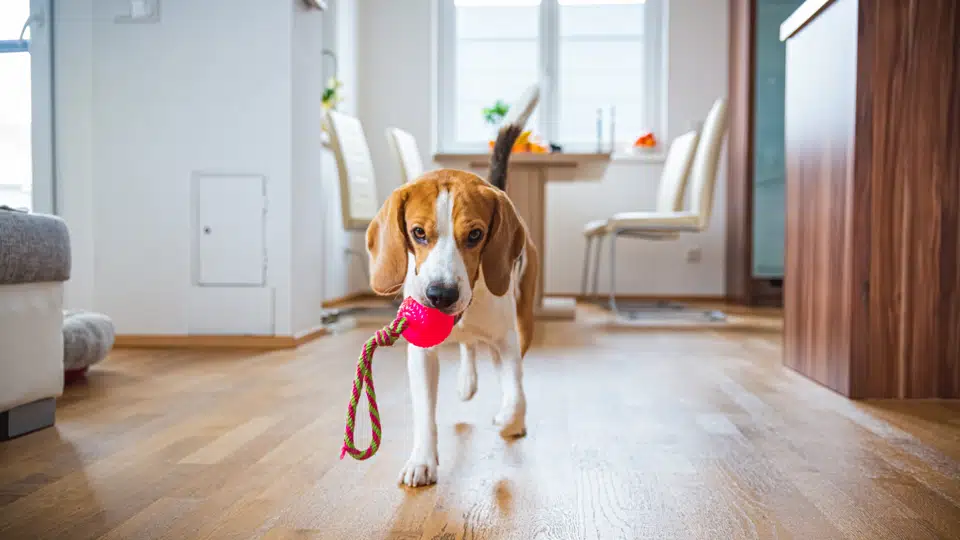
pixel 426 327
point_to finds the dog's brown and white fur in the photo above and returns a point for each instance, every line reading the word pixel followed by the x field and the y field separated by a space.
pixel 454 241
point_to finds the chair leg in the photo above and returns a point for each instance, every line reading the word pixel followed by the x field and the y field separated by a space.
pixel 632 310
pixel 613 272
pixel 586 267
pixel 595 294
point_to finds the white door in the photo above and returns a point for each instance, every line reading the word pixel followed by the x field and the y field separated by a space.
pixel 26 105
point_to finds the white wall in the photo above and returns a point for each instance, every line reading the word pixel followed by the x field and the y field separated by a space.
pixel 321 269
pixel 308 193
pixel 395 75
pixel 171 99
pixel 73 100
pixel 221 86
pixel 395 72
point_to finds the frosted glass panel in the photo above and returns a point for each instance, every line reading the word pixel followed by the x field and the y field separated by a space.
pixel 601 64
pixel 769 167
pixel 497 58
pixel 16 157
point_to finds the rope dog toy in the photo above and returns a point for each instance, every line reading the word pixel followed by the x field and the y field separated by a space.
pixel 421 326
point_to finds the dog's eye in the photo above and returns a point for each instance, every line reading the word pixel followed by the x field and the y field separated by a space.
pixel 474 237
pixel 419 234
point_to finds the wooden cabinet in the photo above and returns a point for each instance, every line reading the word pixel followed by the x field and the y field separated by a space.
pixel 872 284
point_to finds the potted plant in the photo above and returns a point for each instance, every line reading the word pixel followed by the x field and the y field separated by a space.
pixel 496 113
pixel 331 94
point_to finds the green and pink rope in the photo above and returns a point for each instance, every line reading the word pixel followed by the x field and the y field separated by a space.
pixel 422 327
pixel 385 337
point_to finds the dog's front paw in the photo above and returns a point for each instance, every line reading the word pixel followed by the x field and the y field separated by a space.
pixel 512 422
pixel 420 470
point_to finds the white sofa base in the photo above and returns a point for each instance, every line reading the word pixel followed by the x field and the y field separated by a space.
pixel 31 344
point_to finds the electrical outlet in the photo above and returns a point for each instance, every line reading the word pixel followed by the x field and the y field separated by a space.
pixel 694 255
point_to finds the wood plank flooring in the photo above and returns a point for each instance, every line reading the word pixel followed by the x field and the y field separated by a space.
pixel 653 431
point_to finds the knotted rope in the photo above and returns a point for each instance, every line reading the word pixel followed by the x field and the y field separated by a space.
pixel 385 337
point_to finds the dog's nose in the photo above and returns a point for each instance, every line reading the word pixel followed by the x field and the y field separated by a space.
pixel 442 296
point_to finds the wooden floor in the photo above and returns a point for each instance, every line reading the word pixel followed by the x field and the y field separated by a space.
pixel 651 431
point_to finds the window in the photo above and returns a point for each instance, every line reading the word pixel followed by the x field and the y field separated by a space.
pixel 585 54
pixel 26 105
pixel 16 168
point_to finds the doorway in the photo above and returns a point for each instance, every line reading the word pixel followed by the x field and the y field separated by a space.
pixel 26 106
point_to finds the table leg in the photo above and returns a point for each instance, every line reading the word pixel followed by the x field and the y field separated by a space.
pixel 526 187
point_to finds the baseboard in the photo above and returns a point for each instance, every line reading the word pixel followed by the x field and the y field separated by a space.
pixel 310 335
pixel 354 297
pixel 341 301
pixel 267 343
pixel 711 298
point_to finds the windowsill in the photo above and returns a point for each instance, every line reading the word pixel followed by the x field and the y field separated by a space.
pixel 562 159
pixel 654 157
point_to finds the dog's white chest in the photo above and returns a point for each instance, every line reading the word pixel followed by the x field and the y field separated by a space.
pixel 488 319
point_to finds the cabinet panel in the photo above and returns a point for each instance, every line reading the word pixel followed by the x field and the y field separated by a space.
pixel 229 230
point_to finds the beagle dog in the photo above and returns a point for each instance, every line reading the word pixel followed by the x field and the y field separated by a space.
pixel 453 241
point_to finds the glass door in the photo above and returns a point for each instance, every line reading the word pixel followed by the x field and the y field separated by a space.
pixel 769 162
pixel 26 105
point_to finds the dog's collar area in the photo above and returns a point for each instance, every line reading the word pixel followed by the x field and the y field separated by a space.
pixel 458 316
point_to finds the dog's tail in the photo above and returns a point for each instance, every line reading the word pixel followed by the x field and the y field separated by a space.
pixel 512 127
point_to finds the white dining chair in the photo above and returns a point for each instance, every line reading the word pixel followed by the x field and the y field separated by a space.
pixel 358 186
pixel 670 195
pixel 359 203
pixel 405 149
pixel 669 224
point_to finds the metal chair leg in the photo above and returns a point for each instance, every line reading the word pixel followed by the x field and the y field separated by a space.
pixel 613 272
pixel 595 294
pixel 632 310
pixel 586 267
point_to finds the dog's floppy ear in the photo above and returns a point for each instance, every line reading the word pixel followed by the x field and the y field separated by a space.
pixel 387 245
pixel 505 242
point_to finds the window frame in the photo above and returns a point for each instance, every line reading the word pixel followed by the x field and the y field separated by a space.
pixel 655 78
pixel 12 46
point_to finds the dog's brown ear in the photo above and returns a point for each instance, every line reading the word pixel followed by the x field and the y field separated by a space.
pixel 387 245
pixel 504 244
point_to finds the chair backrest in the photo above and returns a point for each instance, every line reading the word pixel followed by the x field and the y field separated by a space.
pixel 676 171
pixel 405 148
pixel 703 173
pixel 358 186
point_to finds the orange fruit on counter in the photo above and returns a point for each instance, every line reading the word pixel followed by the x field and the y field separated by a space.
pixel 539 149
pixel 646 140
